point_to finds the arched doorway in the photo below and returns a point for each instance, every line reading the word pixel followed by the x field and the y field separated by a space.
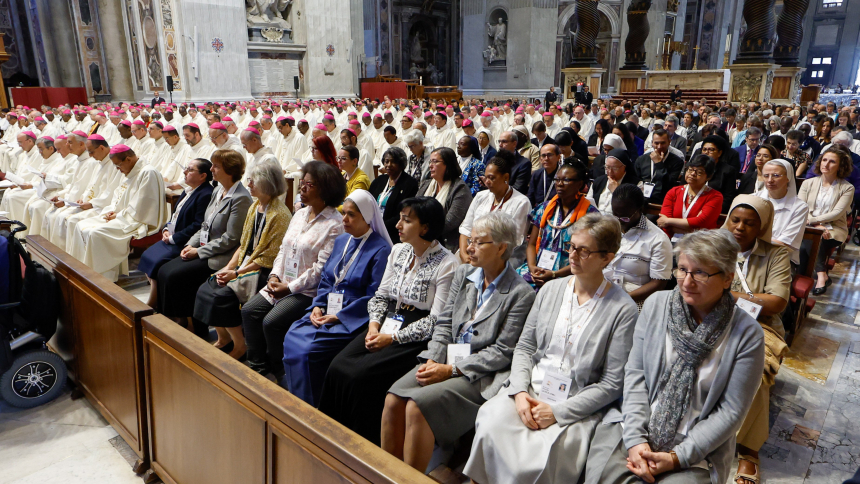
pixel 607 42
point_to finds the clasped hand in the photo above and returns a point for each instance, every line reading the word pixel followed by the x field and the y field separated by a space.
pixel 319 319
pixel 534 413
pixel 432 372
pixel 375 341
pixel 110 216
pixel 276 288
pixel 646 464
pixel 224 276
pixel 188 253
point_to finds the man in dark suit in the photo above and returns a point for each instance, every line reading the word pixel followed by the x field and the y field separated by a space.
pixel 542 186
pixel 746 152
pixel 633 126
pixel 658 170
pixel 584 97
pixel 509 144
pixel 675 140
pixel 541 138
pixel 676 93
pixel 551 97
pixel 156 100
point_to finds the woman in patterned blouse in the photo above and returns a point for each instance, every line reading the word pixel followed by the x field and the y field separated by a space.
pixel 403 312
pixel 471 164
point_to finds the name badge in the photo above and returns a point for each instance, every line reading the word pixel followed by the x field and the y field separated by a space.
pixel 648 189
pixel 335 303
pixel 547 259
pixel 750 307
pixel 204 237
pixel 677 237
pixel 291 266
pixel 171 228
pixel 618 279
pixel 458 352
pixel 555 388
pixel 392 324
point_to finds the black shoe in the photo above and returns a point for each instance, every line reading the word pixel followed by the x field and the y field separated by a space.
pixel 227 348
pixel 260 367
pixel 819 291
pixel 828 282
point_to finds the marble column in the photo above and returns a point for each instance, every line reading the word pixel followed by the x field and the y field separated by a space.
pixel 115 44
pixel 57 20
pixel 756 47
pixel 584 48
pixel 634 46
pixel 789 27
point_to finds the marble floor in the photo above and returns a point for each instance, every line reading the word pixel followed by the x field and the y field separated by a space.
pixel 815 409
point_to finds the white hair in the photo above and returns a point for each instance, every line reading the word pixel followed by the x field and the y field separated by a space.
pixel 414 136
pixel 716 247
pixel 499 227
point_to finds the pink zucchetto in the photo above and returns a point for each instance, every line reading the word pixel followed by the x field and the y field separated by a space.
pixel 351 131
pixel 266 116
pixel 169 129
pixel 377 115
pixel 67 111
pixel 449 107
pixel 62 136
pixel 409 116
pixel 125 122
pixel 365 115
pixel 281 118
pixel 217 125
pixel 138 122
pixel 329 117
pixel 159 124
pixel 39 119
pixel 47 138
pixel 486 114
pixel 21 116
pixel 320 127
pixel 253 130
pixel 289 118
pixel 467 123
pixel 353 122
pixel 120 148
pixel 96 137
pixel 193 125
pixel 29 134
pixel 227 118
pixel 80 133
pixel 254 123
pixel 303 120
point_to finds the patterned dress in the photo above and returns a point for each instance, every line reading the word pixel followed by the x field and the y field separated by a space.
pixel 472 175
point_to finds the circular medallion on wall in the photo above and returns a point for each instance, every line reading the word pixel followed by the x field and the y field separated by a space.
pixel 150 33
pixel 169 41
pixel 91 44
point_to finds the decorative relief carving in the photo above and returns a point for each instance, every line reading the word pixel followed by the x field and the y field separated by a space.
pixel 746 87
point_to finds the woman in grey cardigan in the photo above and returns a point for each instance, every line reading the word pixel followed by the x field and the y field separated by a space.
pixel 446 186
pixel 469 356
pixel 567 369
pixel 694 369
pixel 211 247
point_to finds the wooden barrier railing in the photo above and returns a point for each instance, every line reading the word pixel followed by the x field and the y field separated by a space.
pixel 192 414
pixel 100 338
pixel 213 420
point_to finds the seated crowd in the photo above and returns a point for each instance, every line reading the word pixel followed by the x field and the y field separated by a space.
pixel 433 286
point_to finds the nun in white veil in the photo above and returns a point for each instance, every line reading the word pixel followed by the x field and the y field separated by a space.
pixel 350 278
pixel 789 212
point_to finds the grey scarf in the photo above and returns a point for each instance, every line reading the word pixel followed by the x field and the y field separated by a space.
pixel 692 344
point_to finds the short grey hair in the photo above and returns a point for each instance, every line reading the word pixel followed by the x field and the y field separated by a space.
pixel 716 247
pixel 672 119
pixel 45 142
pixel 605 229
pixel 268 177
pixel 413 136
pixel 499 227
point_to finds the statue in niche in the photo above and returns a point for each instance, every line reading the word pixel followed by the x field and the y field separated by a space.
pixel 413 71
pixel 499 34
pixel 415 54
pixel 268 13
pixel 490 54
pixel 434 74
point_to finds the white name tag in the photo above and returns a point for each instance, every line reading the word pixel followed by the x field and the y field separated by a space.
pixel 291 266
pixel 555 388
pixel 647 189
pixel 458 352
pixel 391 325
pixel 750 307
pixel 677 237
pixel 204 237
pixel 547 260
pixel 335 303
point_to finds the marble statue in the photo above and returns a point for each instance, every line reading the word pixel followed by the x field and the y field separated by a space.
pixel 413 71
pixel 416 50
pixel 499 34
pixel 434 74
pixel 267 13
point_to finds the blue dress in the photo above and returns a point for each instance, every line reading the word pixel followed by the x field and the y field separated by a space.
pixel 308 350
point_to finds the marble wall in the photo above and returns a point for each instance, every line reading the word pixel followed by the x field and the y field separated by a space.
pixel 330 65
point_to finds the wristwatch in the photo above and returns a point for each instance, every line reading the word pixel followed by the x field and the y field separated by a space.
pixel 454 372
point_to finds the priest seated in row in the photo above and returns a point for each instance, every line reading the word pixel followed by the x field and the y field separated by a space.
pixel 138 209
pixel 34 181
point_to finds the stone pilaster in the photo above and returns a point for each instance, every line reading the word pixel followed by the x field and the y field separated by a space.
pixel 789 27
pixel 590 76
pixel 634 46
pixel 756 47
pixel 751 82
pixel 584 47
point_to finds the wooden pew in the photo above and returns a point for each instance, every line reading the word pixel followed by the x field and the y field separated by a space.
pixel 213 420
pixel 100 338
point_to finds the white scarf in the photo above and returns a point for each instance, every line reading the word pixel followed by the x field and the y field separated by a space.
pixel 442 196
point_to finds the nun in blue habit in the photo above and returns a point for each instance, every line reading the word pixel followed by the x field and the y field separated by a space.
pixel 338 314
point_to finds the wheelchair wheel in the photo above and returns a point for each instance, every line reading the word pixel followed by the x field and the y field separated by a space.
pixel 35 378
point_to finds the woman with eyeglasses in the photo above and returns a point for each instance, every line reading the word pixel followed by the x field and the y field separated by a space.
pixel 567 370
pixel 789 212
pixel 469 356
pixel 619 170
pixel 296 271
pixel 446 186
pixel 762 284
pixel 725 176
pixel 693 206
pixel 643 263
pixel 471 163
pixel 393 187
pixel 546 258
pixel 752 181
pixel 690 378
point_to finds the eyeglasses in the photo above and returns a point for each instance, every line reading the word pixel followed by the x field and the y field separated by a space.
pixel 626 220
pixel 709 150
pixel 470 241
pixel 342 158
pixel 305 184
pixel 698 276
pixel 565 181
pixel 697 173
pixel 772 176
pixel 582 252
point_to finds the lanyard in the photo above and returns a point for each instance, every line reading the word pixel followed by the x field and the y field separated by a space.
pixel 590 307
pixel 508 195
pixel 384 194
pixel 558 228
pixel 258 227
pixel 743 277
pixel 401 279
pixel 208 223
pixel 686 210
pixel 339 277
